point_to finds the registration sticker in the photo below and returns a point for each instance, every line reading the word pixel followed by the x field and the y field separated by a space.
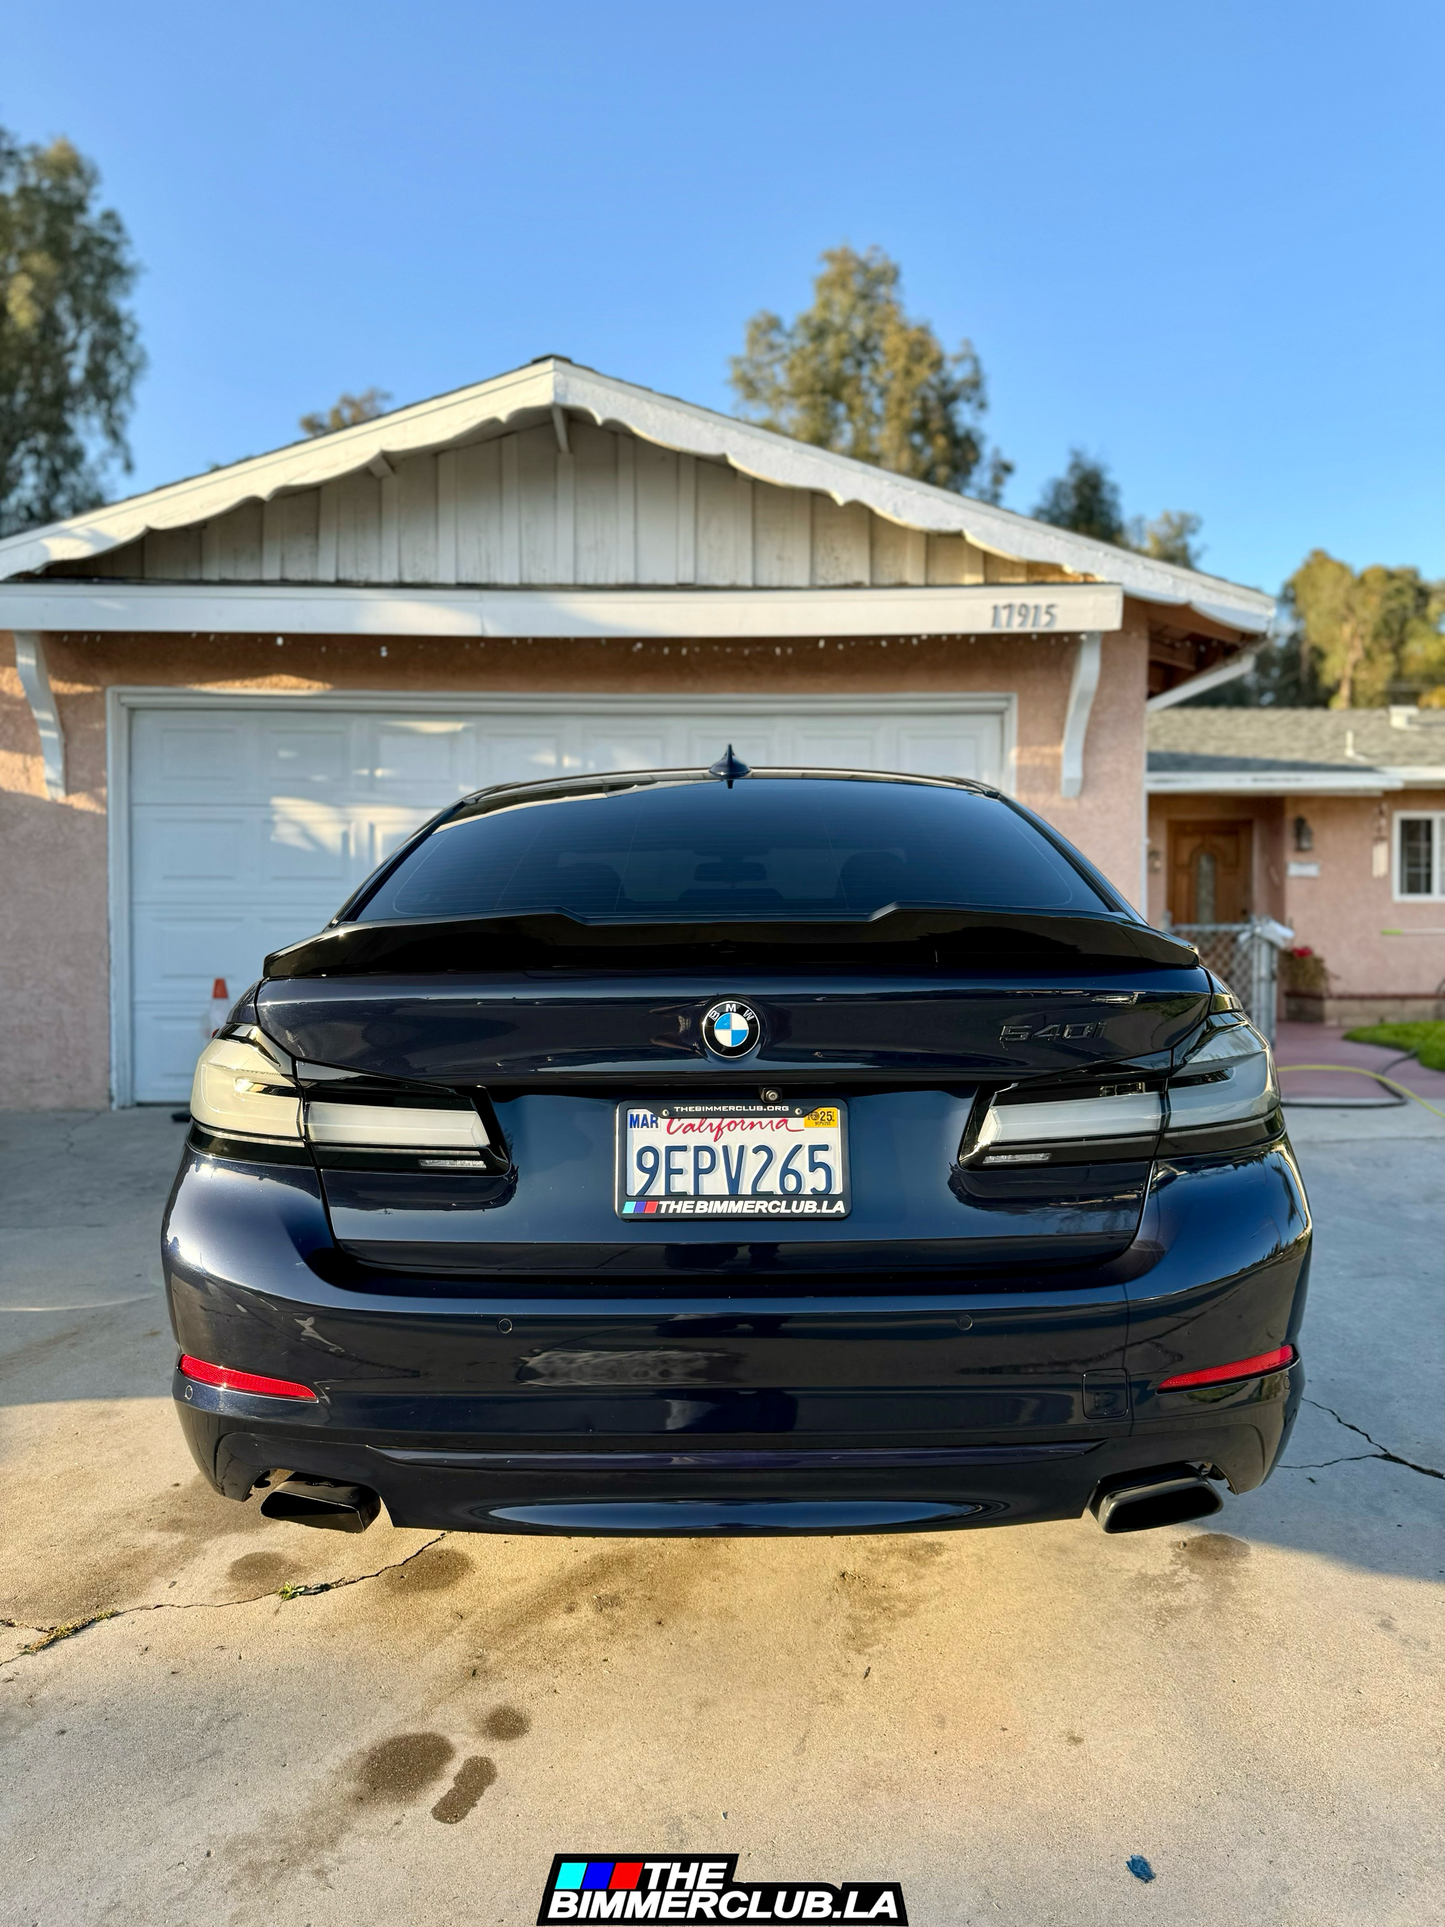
pixel 728 1158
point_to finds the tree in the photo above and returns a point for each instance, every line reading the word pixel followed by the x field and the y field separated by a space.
pixel 856 374
pixel 1371 638
pixel 1283 675
pixel 1170 537
pixel 1349 641
pixel 70 353
pixel 1085 498
pixel 346 412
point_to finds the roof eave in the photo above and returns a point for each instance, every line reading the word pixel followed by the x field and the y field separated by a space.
pixel 682 426
pixel 1272 783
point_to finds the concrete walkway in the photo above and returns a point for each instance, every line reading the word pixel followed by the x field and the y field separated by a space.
pixel 287 1727
pixel 1314 1044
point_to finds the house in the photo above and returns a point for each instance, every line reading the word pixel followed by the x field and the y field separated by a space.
pixel 1331 821
pixel 234 695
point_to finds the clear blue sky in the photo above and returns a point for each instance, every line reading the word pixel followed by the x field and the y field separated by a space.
pixel 1203 241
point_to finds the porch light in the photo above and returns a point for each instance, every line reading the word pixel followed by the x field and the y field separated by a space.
pixel 1304 836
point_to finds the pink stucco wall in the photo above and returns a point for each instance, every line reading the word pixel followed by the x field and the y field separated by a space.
pixel 1344 913
pixel 54 948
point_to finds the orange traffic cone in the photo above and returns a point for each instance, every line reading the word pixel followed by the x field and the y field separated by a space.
pixel 220 1007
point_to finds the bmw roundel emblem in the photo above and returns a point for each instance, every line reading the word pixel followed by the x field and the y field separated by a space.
pixel 731 1029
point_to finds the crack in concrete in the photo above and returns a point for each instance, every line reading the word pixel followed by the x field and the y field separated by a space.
pixel 1320 1465
pixel 1380 1451
pixel 54 1635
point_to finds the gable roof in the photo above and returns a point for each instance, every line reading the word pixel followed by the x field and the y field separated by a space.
pixel 553 388
pixel 1295 750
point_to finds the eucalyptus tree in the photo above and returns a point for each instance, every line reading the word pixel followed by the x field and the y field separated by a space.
pixel 70 353
pixel 855 373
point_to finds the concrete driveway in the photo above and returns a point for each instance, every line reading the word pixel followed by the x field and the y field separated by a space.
pixel 278 1726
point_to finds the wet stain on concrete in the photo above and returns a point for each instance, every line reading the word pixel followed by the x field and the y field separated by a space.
pixel 518 1624
pixel 260 1571
pixel 506 1723
pixel 401 1768
pixel 897 1581
pixel 133 1554
pixel 196 1511
pixel 474 1776
pixel 1207 1572
pixel 394 1773
pixel 1212 1549
pixel 435 1570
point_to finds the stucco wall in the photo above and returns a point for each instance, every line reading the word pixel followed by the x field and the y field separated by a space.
pixel 1343 913
pixel 54 948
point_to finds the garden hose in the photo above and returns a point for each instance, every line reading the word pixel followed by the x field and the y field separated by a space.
pixel 1356 1070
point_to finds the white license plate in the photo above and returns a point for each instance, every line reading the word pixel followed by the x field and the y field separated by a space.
pixel 732 1159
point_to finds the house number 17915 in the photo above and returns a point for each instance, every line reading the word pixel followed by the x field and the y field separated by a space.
pixel 1025 615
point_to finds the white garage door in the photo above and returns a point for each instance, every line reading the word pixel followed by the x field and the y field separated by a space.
pixel 249 826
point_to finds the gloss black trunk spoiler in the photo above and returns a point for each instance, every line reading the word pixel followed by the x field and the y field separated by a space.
pixel 909 940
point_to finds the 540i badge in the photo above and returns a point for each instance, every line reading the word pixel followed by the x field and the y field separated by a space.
pixel 702 1887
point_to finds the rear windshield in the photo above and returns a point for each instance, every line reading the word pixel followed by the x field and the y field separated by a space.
pixel 787 848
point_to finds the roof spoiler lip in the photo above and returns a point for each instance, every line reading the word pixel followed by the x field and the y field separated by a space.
pixel 346 949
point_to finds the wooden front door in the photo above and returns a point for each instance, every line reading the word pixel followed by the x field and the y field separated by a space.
pixel 1210 866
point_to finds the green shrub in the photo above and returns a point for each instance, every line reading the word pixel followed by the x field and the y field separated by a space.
pixel 1423 1040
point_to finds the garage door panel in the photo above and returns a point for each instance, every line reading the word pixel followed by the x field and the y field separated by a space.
pixel 522 756
pixel 307 842
pixel 250 828
pixel 422 758
pixel 186 853
pixel 838 748
pixel 309 762
pixel 703 743
pixel 620 749
pixel 183 952
pixel 172 756
pixel 966 749
pixel 167 1043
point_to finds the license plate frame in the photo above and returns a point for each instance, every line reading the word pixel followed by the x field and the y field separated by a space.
pixel 803 1125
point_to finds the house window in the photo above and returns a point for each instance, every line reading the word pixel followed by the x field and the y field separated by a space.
pixel 1419 869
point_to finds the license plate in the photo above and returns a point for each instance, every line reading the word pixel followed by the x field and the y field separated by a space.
pixel 732 1159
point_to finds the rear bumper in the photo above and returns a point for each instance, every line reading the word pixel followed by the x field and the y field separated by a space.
pixel 719 1406
pixel 742 1488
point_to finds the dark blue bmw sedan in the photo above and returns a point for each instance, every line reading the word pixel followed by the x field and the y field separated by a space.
pixel 737 1151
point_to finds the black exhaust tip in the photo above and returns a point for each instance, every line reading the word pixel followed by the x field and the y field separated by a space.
pixel 322 1502
pixel 1168 1497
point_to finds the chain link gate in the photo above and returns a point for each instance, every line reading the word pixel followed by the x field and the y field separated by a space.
pixel 1246 957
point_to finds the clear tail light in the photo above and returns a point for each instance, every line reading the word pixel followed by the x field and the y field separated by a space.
pixel 397 1127
pixel 1228 1084
pixel 1229 1079
pixel 242 1090
pixel 1016 1131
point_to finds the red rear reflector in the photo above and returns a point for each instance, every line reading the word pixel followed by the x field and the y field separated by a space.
pixel 242 1381
pixel 1254 1367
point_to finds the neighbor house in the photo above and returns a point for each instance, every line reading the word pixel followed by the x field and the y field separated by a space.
pixel 1331 821
pixel 232 696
